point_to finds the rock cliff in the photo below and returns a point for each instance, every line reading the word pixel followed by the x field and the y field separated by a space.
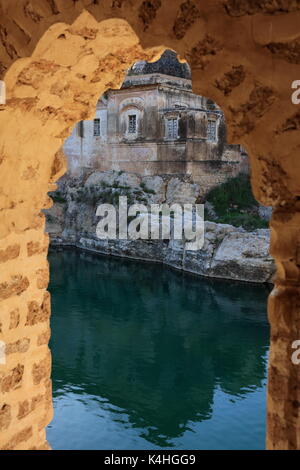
pixel 228 252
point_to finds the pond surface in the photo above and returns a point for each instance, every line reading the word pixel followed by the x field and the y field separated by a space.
pixel 145 357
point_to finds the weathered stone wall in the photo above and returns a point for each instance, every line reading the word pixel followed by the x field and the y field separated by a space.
pixel 149 151
pixel 87 152
pixel 57 59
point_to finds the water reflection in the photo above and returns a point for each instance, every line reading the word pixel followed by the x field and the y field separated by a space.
pixel 145 357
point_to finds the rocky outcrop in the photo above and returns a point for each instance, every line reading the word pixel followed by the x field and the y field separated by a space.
pixel 228 252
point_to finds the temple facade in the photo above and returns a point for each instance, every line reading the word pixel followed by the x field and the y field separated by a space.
pixel 156 125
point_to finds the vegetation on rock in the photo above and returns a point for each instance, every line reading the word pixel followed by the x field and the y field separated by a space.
pixel 233 203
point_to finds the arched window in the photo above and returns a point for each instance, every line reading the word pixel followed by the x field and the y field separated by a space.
pixel 211 130
pixel 131 113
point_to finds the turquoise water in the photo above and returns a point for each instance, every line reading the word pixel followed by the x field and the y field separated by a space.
pixel 145 357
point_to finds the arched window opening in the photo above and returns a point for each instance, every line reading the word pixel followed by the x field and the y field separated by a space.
pixel 154 142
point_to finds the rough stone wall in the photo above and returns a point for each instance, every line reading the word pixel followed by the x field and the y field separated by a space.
pixel 57 59
pixel 87 152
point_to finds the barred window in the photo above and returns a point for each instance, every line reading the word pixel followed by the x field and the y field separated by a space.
pixel 132 124
pixel 172 128
pixel 211 130
pixel 80 129
pixel 97 131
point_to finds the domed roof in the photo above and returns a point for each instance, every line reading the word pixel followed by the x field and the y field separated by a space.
pixel 168 64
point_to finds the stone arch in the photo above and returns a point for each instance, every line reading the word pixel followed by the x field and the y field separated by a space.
pixel 135 106
pixel 57 57
pixel 134 103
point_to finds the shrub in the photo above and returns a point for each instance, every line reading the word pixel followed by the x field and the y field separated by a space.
pixel 57 197
pixel 145 189
pixel 235 193
pixel 234 204
pixel 246 220
pixel 50 219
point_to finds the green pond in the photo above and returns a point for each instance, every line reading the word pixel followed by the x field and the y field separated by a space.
pixel 146 357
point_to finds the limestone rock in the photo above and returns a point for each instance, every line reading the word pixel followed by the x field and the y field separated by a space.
pixel 158 185
pixel 265 212
pixel 55 218
pixel 181 192
pixel 174 254
pixel 97 178
pixel 128 179
pixel 228 252
pixel 244 256
pixel 111 178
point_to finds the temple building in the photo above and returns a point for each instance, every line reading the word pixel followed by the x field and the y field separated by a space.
pixel 156 125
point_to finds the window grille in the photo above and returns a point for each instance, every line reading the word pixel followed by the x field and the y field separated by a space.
pixel 211 130
pixel 97 127
pixel 172 128
pixel 132 124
